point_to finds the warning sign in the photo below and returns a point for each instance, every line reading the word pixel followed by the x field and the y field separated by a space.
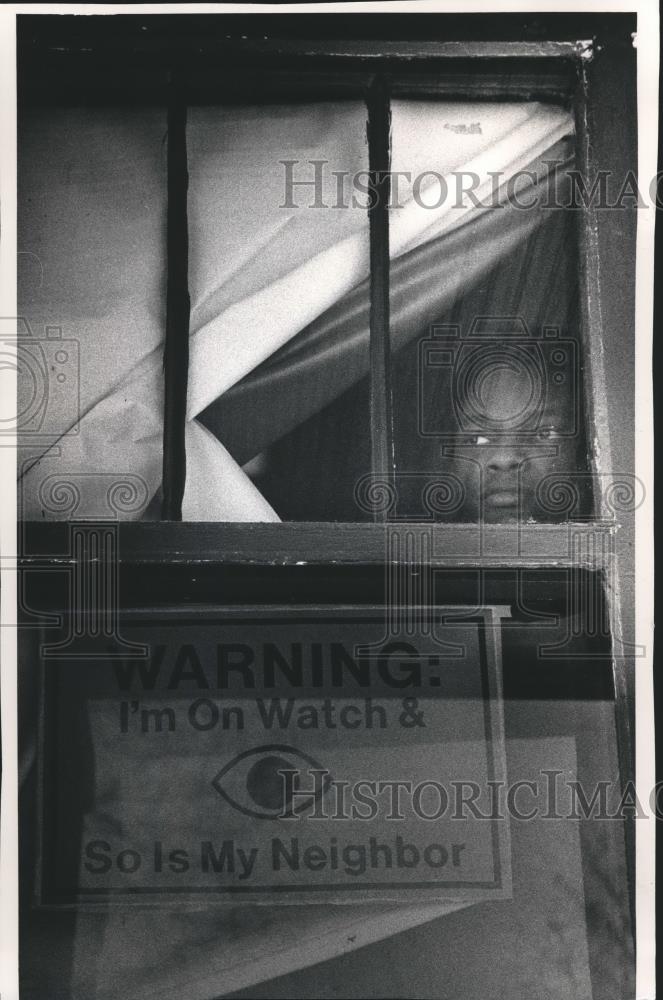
pixel 281 753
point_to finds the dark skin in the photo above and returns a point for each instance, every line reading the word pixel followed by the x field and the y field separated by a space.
pixel 500 463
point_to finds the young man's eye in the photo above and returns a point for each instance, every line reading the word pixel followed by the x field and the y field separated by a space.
pixel 474 439
pixel 548 434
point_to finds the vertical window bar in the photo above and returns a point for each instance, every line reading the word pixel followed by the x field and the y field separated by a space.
pixel 176 352
pixel 379 154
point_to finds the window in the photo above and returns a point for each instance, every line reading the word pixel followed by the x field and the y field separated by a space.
pixel 304 332
pixel 434 400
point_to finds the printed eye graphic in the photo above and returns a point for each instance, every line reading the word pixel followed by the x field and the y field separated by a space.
pixel 252 784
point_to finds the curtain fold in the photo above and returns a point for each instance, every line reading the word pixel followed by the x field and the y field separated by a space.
pixel 332 354
pixel 240 338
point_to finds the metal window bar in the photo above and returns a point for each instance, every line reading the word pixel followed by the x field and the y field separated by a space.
pixel 176 351
pixel 379 155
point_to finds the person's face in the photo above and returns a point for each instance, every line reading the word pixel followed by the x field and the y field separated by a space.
pixel 501 469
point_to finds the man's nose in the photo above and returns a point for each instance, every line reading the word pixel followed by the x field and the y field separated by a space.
pixel 504 458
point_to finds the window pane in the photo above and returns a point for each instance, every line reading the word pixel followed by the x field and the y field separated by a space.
pixel 487 357
pixel 277 249
pixel 92 302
